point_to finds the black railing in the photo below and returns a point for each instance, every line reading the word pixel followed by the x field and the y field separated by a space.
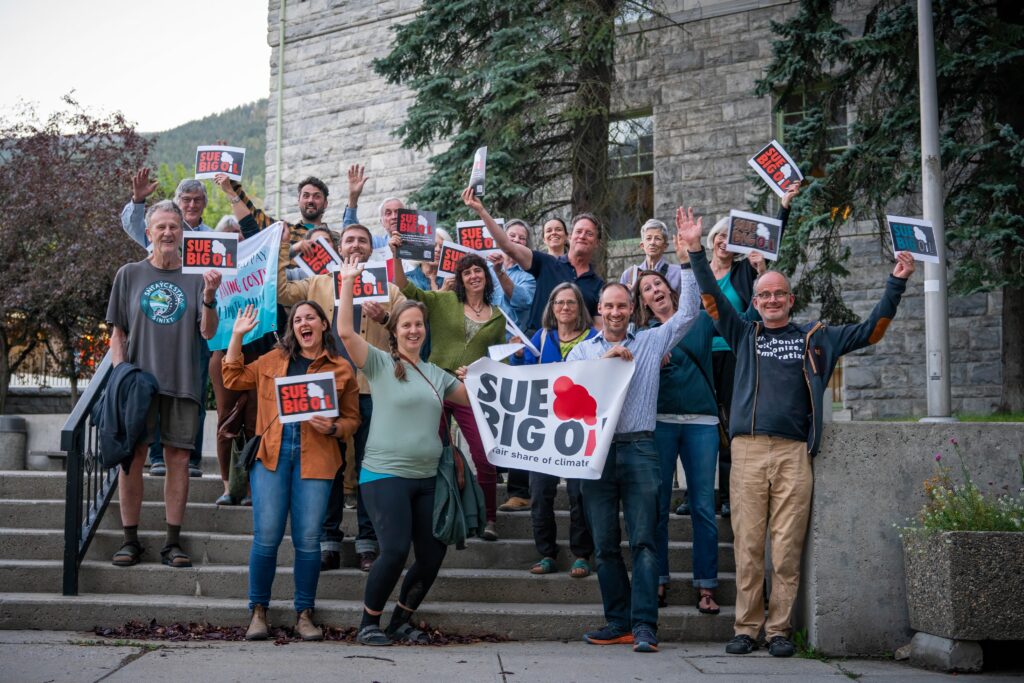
pixel 90 486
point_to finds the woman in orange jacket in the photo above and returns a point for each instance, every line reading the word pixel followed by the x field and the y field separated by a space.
pixel 296 462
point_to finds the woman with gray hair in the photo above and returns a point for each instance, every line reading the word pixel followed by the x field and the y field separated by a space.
pixel 654 239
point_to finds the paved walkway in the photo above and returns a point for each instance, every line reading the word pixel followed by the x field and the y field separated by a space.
pixel 30 656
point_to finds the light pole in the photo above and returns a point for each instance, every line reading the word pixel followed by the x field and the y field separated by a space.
pixel 936 314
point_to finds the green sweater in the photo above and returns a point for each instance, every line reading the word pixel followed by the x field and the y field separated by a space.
pixel 447 319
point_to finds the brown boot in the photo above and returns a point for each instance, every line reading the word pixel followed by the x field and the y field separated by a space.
pixel 258 629
pixel 305 627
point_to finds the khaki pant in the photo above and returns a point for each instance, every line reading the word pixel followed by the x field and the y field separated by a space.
pixel 770 487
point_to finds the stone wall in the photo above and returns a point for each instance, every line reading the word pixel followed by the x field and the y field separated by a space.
pixel 696 78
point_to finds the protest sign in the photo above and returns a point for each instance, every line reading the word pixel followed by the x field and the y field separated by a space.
pixel 417 231
pixel 254 283
pixel 555 418
pixel 513 331
pixel 451 254
pixel 913 235
pixel 475 235
pixel 385 255
pixel 322 259
pixel 479 172
pixel 776 168
pixel 371 285
pixel 503 351
pixel 301 397
pixel 204 250
pixel 214 159
pixel 750 232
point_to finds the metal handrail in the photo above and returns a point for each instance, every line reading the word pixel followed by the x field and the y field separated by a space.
pixel 90 485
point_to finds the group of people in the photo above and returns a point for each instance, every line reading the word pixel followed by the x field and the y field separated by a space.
pixel 723 379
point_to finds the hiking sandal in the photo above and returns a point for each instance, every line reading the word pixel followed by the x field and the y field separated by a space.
pixel 580 569
pixel 410 634
pixel 707 599
pixel 174 556
pixel 130 554
pixel 372 635
pixel 546 565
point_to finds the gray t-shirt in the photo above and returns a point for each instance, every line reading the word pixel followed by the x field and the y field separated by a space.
pixel 161 311
pixel 403 439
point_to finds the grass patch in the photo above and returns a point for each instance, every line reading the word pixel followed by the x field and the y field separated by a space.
pixel 804 649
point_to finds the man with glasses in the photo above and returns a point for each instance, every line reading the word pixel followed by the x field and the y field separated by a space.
pixel 782 372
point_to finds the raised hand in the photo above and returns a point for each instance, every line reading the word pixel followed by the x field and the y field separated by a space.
pixel 460 373
pixel 395 241
pixel 356 180
pixel 142 186
pixel 211 283
pixel 618 351
pixel 245 321
pixel 688 230
pixel 756 259
pixel 471 200
pixel 224 183
pixel 904 265
pixel 791 193
pixel 448 285
pixel 497 261
pixel 350 268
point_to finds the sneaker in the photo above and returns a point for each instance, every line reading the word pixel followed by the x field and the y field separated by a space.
pixel 741 645
pixel 781 646
pixel 608 635
pixel 195 472
pixel 158 469
pixel 515 504
pixel 644 639
pixel 489 533
pixel 350 501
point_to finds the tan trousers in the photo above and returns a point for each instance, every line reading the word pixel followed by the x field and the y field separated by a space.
pixel 770 487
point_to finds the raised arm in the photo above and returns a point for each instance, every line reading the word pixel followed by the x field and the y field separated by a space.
pixel 237 375
pixel 521 254
pixel 239 208
pixel 848 338
pixel 133 216
pixel 400 280
pixel 210 320
pixel 356 180
pixel 354 343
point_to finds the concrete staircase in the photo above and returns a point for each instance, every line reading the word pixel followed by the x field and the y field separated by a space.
pixel 484 588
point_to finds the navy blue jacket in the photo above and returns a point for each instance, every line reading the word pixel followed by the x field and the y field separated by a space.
pixel 120 414
pixel 548 345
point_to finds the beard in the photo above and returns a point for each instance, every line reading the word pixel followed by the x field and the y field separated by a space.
pixel 311 214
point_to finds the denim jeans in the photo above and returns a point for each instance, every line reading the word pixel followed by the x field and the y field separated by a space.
pixel 631 475
pixel 195 458
pixel 274 494
pixel 332 535
pixel 543 489
pixel 697 446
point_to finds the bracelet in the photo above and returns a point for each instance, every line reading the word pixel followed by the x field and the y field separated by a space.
pixel 387 317
pixel 235 199
pixel 211 305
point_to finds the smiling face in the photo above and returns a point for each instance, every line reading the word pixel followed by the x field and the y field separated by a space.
pixel 312 203
pixel 616 308
pixel 773 300
pixel 565 306
pixel 719 245
pixel 192 205
pixel 308 329
pixel 554 236
pixel 410 330
pixel 356 242
pixel 164 232
pixel 389 215
pixel 654 244
pixel 583 239
pixel 473 279
pixel 517 234
pixel 655 294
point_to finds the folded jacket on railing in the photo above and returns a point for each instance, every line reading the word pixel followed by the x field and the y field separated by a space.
pixel 120 414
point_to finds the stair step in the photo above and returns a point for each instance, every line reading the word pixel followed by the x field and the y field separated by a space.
pixel 520 621
pixel 452 584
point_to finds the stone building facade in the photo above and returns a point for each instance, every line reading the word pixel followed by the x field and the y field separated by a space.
pixel 695 80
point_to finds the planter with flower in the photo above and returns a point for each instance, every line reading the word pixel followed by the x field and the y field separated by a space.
pixel 964 557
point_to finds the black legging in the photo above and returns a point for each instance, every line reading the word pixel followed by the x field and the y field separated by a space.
pixel 402 512
pixel 724 365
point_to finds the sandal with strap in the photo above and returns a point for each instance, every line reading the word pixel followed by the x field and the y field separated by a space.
pixel 130 554
pixel 707 599
pixel 372 635
pixel 580 569
pixel 174 556
pixel 546 565
pixel 410 634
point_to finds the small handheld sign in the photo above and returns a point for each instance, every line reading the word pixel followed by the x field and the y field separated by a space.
pixel 475 235
pixel 451 254
pixel 776 168
pixel 214 159
pixel 479 172
pixel 750 232
pixel 204 250
pixel 913 235
pixel 512 330
pixel 417 231
pixel 371 285
pixel 301 397
pixel 323 259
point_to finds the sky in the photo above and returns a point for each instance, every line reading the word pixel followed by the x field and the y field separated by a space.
pixel 160 63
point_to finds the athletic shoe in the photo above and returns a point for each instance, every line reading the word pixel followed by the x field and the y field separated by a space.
pixel 644 639
pixel 608 635
pixel 741 645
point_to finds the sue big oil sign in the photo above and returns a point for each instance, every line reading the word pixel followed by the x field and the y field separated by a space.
pixel 304 396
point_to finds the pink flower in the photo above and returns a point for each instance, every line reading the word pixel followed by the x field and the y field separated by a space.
pixel 953 441
pixel 938 457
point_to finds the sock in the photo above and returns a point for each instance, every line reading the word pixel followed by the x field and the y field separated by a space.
pixel 173 534
pixel 399 617
pixel 369 620
pixel 131 534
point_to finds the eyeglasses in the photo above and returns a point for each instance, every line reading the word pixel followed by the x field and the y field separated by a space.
pixel 768 296
pixel 564 303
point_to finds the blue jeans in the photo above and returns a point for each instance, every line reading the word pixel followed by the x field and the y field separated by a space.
pixel 273 495
pixel 697 446
pixel 631 475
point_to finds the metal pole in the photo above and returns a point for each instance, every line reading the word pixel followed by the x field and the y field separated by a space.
pixel 936 314
pixel 280 106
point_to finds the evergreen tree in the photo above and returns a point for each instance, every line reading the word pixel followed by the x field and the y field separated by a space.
pixel 980 66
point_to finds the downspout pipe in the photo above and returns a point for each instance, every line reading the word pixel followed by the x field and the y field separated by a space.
pixel 280 104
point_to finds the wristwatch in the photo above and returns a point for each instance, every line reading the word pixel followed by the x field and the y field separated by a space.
pixel 212 305
pixel 235 199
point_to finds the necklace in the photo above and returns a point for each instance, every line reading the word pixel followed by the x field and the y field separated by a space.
pixel 477 310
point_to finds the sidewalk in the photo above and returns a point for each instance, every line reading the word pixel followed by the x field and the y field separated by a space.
pixel 30 656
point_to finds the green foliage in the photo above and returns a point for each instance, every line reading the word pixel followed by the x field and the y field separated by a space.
pixel 217 205
pixel 979 53
pixel 963 506
pixel 804 648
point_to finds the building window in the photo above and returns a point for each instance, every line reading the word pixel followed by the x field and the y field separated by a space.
pixel 630 175
pixel 794 110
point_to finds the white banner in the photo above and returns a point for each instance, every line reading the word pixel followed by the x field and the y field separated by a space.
pixel 556 418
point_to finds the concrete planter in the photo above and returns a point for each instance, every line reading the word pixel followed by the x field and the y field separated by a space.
pixel 965 585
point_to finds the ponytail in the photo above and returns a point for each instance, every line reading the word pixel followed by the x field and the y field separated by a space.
pixel 395 356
